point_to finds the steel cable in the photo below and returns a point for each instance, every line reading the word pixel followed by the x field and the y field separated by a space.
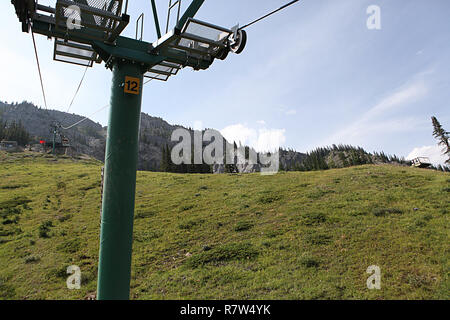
pixel 39 69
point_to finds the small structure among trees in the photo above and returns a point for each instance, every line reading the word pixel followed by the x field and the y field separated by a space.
pixel 14 131
pixel 9 145
pixel 421 162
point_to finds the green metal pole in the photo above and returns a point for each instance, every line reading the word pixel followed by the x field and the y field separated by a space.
pixel 116 234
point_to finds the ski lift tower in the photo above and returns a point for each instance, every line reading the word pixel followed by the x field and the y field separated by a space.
pixel 88 31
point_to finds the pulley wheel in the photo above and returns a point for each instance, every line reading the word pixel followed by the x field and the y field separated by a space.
pixel 239 42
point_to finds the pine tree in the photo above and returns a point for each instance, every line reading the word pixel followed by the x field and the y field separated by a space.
pixel 166 161
pixel 14 131
pixel 164 165
pixel 170 165
pixel 443 137
pixel 231 167
pixel 2 129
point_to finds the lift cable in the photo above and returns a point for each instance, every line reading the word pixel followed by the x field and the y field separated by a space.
pixel 73 99
pixel 255 21
pixel 76 92
pixel 42 82
pixel 84 74
pixel 84 119
pixel 269 14
pixel 39 69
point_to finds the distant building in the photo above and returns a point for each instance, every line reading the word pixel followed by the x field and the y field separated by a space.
pixel 421 162
pixel 9 145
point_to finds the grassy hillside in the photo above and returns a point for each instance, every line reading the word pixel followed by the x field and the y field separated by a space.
pixel 294 235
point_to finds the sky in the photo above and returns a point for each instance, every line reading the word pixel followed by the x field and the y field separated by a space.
pixel 310 76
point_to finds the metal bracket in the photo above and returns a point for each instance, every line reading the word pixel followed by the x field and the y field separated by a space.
pixel 171 6
pixel 141 19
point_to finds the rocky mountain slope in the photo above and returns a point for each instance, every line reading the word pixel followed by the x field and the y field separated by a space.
pixel 90 138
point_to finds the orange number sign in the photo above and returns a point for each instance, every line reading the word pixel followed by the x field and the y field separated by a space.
pixel 131 85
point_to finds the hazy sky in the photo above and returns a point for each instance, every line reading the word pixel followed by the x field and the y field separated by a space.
pixel 310 76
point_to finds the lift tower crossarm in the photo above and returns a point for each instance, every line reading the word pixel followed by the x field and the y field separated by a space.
pixel 191 11
pixel 123 47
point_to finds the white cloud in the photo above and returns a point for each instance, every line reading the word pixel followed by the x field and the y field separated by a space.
pixel 375 122
pixel 433 152
pixel 261 122
pixel 291 112
pixel 239 133
pixel 270 139
pixel 198 125
pixel 261 140
pixel 399 98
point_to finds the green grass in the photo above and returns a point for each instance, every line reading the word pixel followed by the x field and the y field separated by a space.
pixel 308 235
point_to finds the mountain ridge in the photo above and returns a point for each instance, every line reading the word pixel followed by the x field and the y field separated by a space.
pixel 89 137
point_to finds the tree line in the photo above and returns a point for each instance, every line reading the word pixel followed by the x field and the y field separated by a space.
pixel 14 131
pixel 168 166
pixel 341 156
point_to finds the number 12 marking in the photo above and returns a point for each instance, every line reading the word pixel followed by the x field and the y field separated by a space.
pixel 131 85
